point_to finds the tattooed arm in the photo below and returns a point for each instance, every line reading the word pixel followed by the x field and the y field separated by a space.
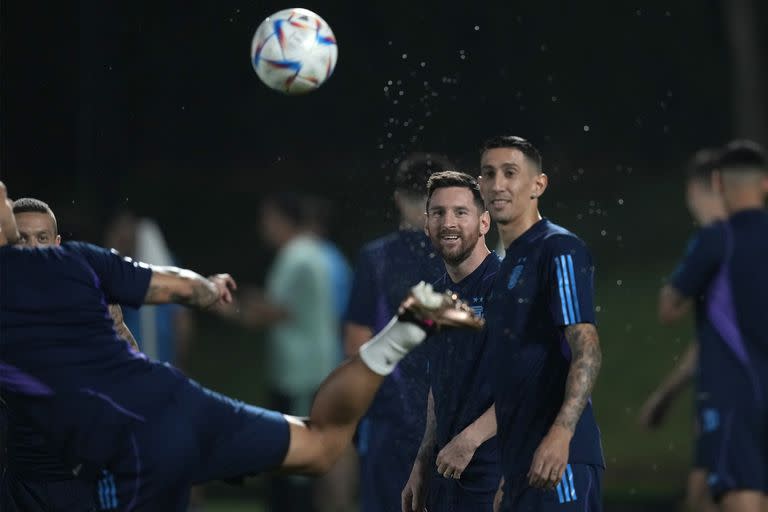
pixel 181 286
pixel 586 359
pixel 116 312
pixel 551 457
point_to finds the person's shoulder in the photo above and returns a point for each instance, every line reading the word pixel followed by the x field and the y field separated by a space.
pixel 557 238
pixel 381 245
pixel 711 235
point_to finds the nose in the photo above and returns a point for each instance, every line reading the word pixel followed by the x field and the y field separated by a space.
pixel 449 219
pixel 499 182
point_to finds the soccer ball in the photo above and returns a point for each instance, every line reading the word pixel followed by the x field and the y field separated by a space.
pixel 294 51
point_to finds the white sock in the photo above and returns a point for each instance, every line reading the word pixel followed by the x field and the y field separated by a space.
pixel 382 352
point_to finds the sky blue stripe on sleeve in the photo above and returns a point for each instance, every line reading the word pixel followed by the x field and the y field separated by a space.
pixel 573 287
pixel 570 480
pixel 568 298
pixel 102 504
pixel 562 290
pixel 560 492
pixel 114 490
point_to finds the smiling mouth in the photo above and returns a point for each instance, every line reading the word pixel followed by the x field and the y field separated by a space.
pixel 449 238
pixel 498 203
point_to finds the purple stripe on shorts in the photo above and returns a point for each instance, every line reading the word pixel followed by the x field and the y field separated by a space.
pixel 19 382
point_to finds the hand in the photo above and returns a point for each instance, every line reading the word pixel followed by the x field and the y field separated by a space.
pixel 654 410
pixel 415 491
pixel 499 496
pixel 225 286
pixel 550 459
pixel 455 456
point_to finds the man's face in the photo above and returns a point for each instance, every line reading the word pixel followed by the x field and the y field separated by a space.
pixel 454 223
pixel 36 229
pixel 704 203
pixel 273 226
pixel 507 181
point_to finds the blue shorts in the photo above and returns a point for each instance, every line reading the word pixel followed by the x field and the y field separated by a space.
pixel 580 489
pixel 732 445
pixel 17 495
pixel 198 437
pixel 448 495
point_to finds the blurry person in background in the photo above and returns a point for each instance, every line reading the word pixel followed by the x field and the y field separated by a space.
pixel 337 490
pixel 299 309
pixel 389 436
pixel 706 207
pixel 725 264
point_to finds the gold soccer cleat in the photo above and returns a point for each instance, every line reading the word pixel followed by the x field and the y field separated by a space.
pixel 432 310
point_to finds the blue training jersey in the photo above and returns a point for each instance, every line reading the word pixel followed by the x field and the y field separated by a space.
pixel 545 284
pixel 461 378
pixel 725 270
pixel 386 270
pixel 66 373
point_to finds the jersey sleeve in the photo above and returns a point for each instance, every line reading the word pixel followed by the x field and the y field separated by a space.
pixel 123 280
pixel 699 263
pixel 361 308
pixel 571 276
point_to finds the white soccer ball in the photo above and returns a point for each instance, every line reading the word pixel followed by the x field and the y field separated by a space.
pixel 294 51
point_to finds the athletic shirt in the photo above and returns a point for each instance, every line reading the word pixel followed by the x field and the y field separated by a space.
pixel 545 284
pixel 461 377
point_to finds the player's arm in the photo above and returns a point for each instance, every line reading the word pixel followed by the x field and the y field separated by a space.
pixel 116 312
pixel 182 286
pixel 570 277
pixel 455 456
pixel 693 273
pixel 253 310
pixel 414 494
pixel 673 305
pixel 655 408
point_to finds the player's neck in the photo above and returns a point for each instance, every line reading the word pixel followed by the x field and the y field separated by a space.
pixel 744 201
pixel 511 231
pixel 458 272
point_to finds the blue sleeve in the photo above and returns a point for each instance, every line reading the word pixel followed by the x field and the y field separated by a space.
pixel 571 276
pixel 361 308
pixel 700 263
pixel 122 280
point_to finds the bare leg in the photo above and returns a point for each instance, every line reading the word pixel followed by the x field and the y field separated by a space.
pixel 743 501
pixel 339 404
pixel 699 498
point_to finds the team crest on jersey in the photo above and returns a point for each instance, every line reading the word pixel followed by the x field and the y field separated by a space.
pixel 515 276
pixel 477 306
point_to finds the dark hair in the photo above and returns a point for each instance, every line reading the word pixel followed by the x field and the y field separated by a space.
pixel 701 165
pixel 290 205
pixel 741 155
pixel 32 205
pixel 415 169
pixel 514 142
pixel 447 179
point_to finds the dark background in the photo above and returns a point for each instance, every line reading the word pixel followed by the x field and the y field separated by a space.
pixel 154 106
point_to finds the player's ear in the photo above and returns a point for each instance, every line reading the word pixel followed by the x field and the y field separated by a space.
pixel 539 185
pixel 485 223
pixel 717 182
pixel 58 240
